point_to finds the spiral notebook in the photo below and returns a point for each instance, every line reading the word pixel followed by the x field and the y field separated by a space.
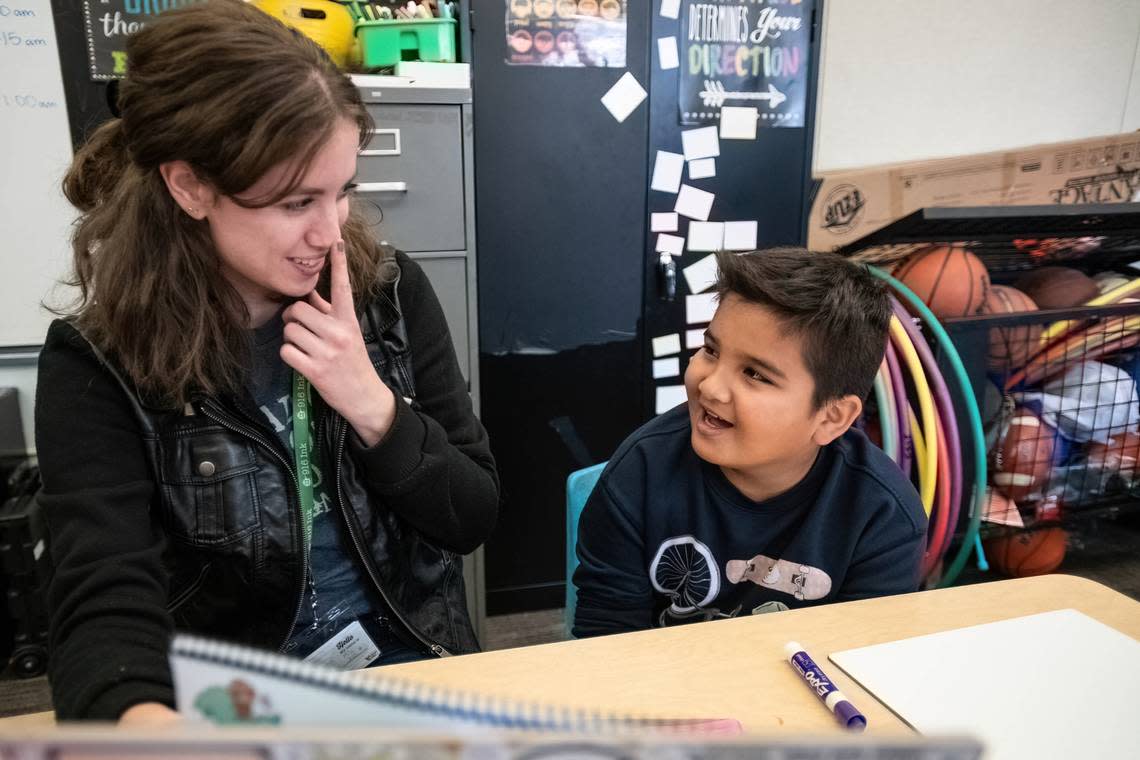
pixel 231 684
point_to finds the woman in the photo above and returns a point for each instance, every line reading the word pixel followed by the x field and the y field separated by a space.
pixel 232 306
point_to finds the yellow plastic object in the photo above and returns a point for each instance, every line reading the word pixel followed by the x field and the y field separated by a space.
pixel 1117 294
pixel 929 474
pixel 327 23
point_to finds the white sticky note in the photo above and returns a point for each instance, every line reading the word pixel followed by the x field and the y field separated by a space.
pixel 694 203
pixel 695 338
pixel 738 123
pixel 700 308
pixel 672 244
pixel 667 344
pixel 663 222
pixel 700 143
pixel 667 53
pixel 667 171
pixel 670 8
pixel 702 168
pixel 670 367
pixel 702 275
pixel 623 97
pixel 706 236
pixel 739 236
pixel 669 396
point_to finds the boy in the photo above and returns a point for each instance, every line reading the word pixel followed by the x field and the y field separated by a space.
pixel 756 495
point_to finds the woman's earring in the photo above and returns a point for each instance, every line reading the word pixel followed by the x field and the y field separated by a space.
pixel 191 211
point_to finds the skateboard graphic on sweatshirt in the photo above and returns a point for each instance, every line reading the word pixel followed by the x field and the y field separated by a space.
pixel 801 581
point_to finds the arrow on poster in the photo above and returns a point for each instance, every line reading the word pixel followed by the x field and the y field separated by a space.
pixel 714 95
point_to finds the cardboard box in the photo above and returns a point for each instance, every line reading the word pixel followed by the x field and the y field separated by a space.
pixel 854 203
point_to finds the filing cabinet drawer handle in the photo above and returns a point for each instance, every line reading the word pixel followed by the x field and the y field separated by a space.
pixel 393 151
pixel 382 187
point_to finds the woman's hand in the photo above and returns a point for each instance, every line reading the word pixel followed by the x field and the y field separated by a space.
pixel 323 343
pixel 154 714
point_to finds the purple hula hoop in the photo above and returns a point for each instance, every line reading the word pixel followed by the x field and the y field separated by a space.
pixel 948 419
pixel 898 388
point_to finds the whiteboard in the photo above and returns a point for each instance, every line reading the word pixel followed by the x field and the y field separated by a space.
pixel 35 218
pixel 906 80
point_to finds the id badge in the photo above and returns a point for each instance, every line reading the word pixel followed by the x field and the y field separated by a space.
pixel 351 648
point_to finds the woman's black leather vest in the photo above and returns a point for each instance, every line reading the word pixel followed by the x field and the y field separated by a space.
pixel 226 498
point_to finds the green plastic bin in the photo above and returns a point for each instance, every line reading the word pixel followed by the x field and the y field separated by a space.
pixel 386 43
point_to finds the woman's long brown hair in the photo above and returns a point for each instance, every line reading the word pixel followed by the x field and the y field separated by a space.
pixel 233 92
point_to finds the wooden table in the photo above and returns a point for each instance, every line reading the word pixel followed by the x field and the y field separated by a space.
pixel 735 668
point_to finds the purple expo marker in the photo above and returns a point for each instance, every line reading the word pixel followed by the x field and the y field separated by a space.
pixel 845 712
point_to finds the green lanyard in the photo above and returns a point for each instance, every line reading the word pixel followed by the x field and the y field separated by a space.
pixel 302 451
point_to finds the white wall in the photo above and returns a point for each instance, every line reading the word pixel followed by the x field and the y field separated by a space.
pixel 904 80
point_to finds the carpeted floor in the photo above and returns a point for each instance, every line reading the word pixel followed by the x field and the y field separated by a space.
pixel 1106 551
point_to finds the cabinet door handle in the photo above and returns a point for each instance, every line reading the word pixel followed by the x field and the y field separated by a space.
pixel 382 187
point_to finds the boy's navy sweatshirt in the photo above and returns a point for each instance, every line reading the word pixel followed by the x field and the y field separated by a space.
pixel 665 538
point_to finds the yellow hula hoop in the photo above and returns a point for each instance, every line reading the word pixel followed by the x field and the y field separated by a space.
pixel 926 406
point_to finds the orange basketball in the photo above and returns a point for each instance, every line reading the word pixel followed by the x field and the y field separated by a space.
pixel 1023 458
pixel 1058 287
pixel 949 279
pixel 1120 454
pixel 1023 553
pixel 1010 347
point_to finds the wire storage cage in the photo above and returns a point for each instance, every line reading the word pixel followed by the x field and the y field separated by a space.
pixel 1041 306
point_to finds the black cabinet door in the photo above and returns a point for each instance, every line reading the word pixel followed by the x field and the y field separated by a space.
pixel 560 210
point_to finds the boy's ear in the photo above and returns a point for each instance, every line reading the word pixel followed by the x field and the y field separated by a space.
pixel 836 417
pixel 191 193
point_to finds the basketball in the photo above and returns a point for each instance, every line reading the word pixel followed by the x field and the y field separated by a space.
pixel 1024 553
pixel 1120 454
pixel 1010 347
pixel 1023 459
pixel 1058 287
pixel 949 279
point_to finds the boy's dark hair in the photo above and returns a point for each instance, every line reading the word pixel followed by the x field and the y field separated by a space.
pixel 840 310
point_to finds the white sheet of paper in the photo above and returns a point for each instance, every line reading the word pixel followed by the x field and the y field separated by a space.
pixel 702 275
pixel 670 367
pixel 739 236
pixel 670 8
pixel 665 221
pixel 694 203
pixel 695 338
pixel 738 122
pixel 706 236
pixel 668 396
pixel 667 170
pixel 672 244
pixel 667 344
pixel 626 95
pixel 700 143
pixel 667 53
pixel 700 308
pixel 702 168
pixel 932 683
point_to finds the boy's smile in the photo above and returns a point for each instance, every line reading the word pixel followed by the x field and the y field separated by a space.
pixel 750 400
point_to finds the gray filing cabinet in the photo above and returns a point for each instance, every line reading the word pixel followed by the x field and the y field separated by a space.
pixel 418 169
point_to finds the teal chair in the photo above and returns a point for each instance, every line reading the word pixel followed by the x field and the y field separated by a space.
pixel 578 488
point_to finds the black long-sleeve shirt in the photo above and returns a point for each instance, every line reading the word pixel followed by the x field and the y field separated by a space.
pixel 665 538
